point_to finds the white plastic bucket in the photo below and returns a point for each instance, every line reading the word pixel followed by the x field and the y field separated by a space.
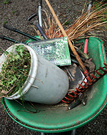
pixel 46 83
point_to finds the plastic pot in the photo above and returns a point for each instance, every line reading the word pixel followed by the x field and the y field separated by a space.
pixel 46 83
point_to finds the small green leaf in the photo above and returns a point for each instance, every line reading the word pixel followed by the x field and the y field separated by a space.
pixel 6 52
pixel 67 23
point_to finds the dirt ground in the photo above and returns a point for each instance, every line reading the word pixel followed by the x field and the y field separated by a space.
pixel 16 12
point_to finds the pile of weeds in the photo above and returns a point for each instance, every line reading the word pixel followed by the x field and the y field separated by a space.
pixel 15 71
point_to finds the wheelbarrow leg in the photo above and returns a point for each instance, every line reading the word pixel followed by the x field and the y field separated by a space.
pixel 42 133
pixel 73 132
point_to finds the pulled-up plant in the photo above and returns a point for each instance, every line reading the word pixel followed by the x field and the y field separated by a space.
pixel 14 71
pixel 92 20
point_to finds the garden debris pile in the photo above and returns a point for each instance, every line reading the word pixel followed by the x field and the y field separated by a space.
pixel 15 71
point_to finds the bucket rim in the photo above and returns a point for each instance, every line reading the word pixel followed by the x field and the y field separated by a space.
pixel 32 72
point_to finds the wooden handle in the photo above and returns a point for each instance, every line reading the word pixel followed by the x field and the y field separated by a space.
pixel 64 33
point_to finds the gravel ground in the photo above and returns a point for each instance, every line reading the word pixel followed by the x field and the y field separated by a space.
pixel 16 13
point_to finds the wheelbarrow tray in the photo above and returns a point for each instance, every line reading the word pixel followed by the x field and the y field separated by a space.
pixel 56 118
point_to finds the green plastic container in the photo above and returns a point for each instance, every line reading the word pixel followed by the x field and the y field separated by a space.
pixel 56 118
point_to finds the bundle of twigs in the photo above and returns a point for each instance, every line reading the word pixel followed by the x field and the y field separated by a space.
pixel 89 21
pixel 50 25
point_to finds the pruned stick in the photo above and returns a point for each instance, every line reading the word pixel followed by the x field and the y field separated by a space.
pixel 64 33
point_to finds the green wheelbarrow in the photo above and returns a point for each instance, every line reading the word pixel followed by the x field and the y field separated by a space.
pixel 56 118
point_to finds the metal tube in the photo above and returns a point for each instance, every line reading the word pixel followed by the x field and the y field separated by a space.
pixel 40 13
pixel 41 31
pixel 9 39
pixel 20 32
